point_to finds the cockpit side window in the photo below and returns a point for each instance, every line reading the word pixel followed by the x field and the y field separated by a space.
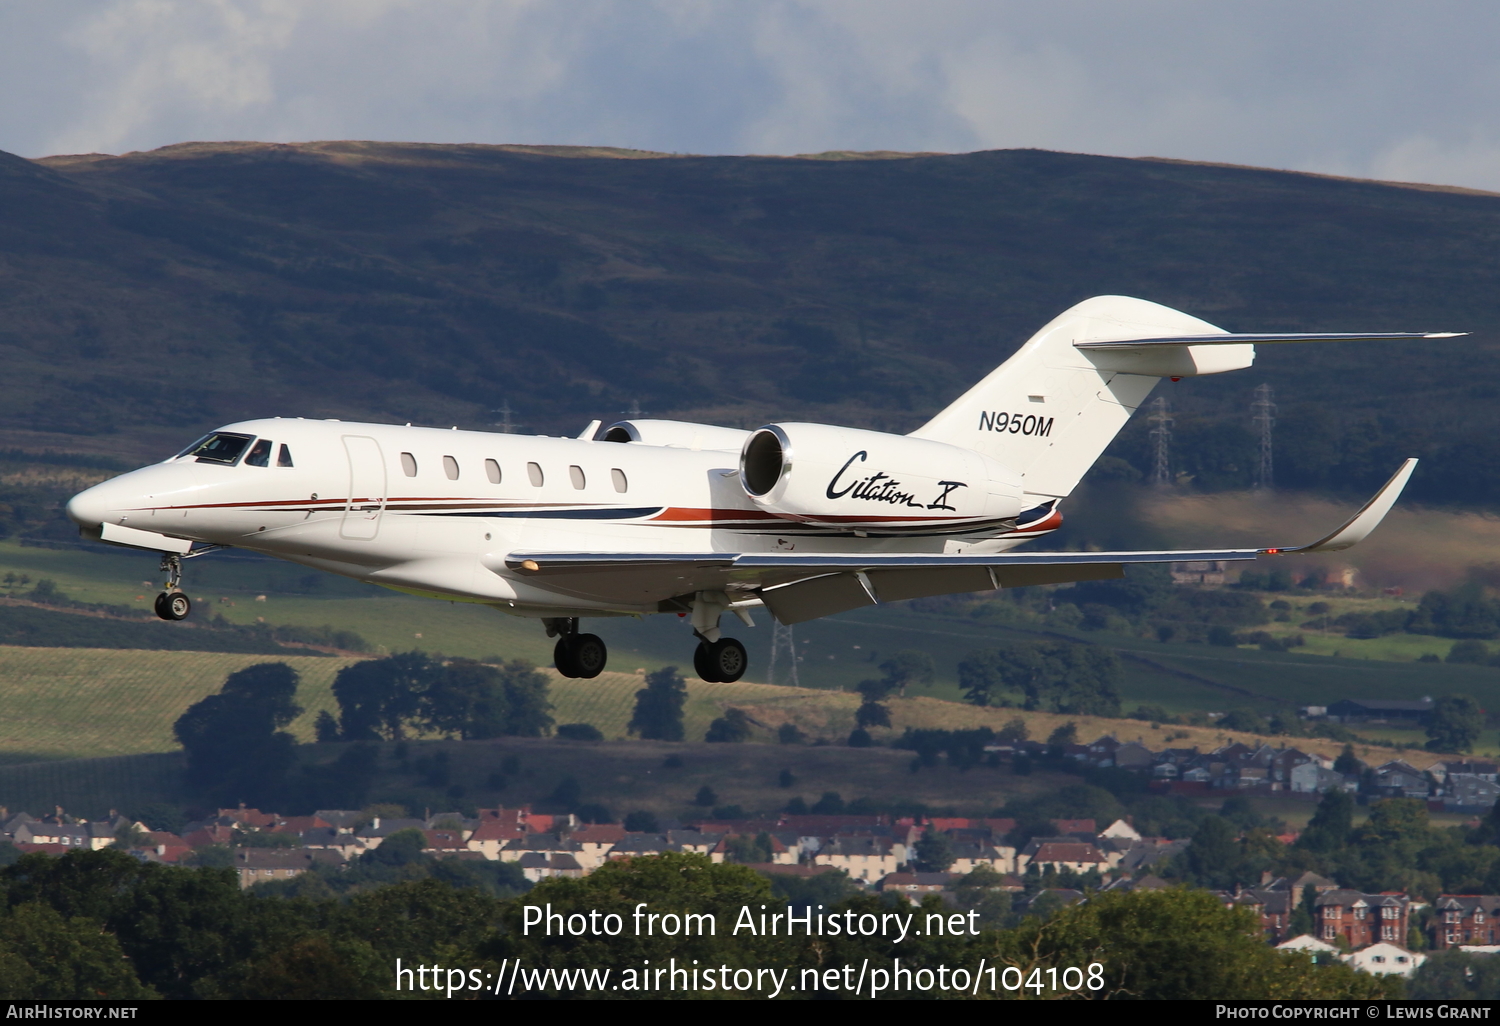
pixel 284 458
pixel 223 447
pixel 260 454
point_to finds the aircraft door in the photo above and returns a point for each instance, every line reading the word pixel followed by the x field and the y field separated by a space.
pixel 366 488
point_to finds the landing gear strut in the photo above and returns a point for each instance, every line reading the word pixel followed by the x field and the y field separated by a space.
pixel 576 655
pixel 717 659
pixel 173 604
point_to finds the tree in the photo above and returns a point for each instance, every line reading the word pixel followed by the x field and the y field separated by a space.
pixel 641 821
pixel 1066 734
pixel 871 711
pixel 236 750
pixel 529 710
pixel 45 956
pixel 705 797
pixel 1056 676
pixel 326 727
pixel 1213 859
pixel 859 737
pixel 1331 823
pixel 733 727
pixel 580 732
pixel 658 706
pixel 934 852
pixel 907 667
pixel 981 675
pixel 1454 724
pixel 1012 731
pixel 1348 763
pixel 378 697
pixel 1179 945
pixel 464 699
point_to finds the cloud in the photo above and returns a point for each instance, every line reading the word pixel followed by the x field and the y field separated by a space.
pixel 1375 88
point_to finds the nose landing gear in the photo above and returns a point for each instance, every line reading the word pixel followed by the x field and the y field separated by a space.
pixel 576 655
pixel 173 604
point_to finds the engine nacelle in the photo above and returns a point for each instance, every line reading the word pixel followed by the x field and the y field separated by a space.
pixel 874 483
pixel 676 434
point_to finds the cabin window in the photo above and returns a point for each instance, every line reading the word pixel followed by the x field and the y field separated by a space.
pixel 284 457
pixel 408 464
pixel 492 471
pixel 221 447
pixel 534 471
pixel 576 475
pixel 450 468
pixel 618 477
pixel 260 454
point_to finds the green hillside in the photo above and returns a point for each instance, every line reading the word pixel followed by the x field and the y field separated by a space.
pixel 148 296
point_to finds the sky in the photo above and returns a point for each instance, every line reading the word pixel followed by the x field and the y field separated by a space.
pixel 1368 88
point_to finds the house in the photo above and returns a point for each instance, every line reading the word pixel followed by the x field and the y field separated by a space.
pixel 1361 919
pixel 209 835
pixel 1133 755
pixel 1397 779
pixel 635 845
pixel 492 834
pixel 1461 919
pixel 1469 792
pixel 1205 573
pixel 444 842
pixel 248 819
pixel 263 865
pixel 1360 710
pixel 968 857
pixel 1385 959
pixel 299 824
pixel 542 865
pixel 165 846
pixel 1273 907
pixel 1060 854
pixel 378 829
pixel 864 858
pixel 1484 770
pixel 1310 778
pixel 594 842
pixel 1121 830
pixel 696 841
pixel 529 844
pixel 915 883
pixel 1307 942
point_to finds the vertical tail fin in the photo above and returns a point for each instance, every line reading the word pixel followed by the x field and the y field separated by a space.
pixel 1051 409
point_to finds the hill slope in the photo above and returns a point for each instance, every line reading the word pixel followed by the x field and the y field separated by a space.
pixel 146 297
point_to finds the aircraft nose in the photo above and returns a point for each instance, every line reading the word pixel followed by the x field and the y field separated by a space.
pixel 88 507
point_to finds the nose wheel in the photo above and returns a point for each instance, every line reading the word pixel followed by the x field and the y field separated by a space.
pixel 720 662
pixel 173 604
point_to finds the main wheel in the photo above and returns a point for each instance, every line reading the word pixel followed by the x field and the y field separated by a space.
pixel 703 663
pixel 589 655
pixel 562 657
pixel 727 660
pixel 173 605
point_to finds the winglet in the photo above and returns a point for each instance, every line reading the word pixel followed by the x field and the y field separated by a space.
pixel 1358 527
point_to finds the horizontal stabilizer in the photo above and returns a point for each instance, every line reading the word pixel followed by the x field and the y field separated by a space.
pixel 1234 340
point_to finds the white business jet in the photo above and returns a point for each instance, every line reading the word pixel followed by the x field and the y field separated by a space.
pixel 656 516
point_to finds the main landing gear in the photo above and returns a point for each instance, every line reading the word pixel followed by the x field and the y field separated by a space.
pixel 173 604
pixel 717 659
pixel 576 655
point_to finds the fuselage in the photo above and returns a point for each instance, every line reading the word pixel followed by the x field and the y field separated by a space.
pixel 435 512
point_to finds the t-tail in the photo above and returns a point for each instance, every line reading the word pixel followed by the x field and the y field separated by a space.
pixel 1052 409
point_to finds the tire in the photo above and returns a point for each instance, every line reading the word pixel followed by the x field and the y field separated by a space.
pixel 175 604
pixel 161 606
pixel 703 664
pixel 728 659
pixel 589 654
pixel 562 657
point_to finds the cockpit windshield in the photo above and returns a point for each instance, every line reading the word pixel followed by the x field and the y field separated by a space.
pixel 221 447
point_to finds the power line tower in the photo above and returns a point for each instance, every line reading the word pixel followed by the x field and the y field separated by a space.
pixel 1263 416
pixel 783 668
pixel 1161 441
pixel 505 424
